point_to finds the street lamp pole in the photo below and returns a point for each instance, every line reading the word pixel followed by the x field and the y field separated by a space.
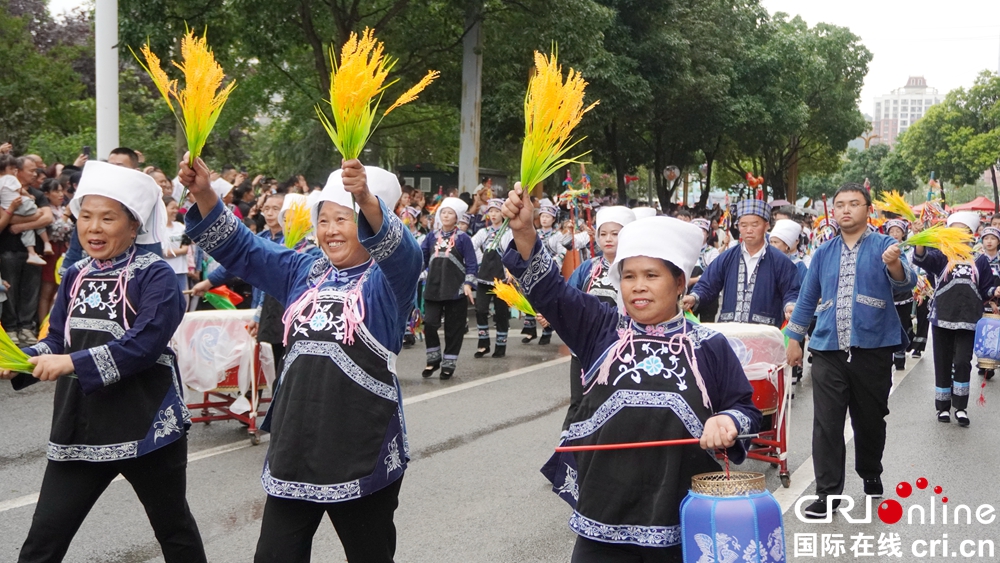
pixel 106 75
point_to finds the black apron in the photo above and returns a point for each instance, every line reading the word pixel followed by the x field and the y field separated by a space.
pixel 633 496
pixel 491 267
pixel 136 413
pixel 445 270
pixel 957 300
pixel 337 430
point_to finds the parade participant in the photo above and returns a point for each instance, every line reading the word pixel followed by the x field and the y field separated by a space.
pixel 338 444
pixel 757 286
pixel 785 237
pixel 592 277
pixel 119 408
pixel 627 502
pixel 903 298
pixel 990 240
pixel 709 310
pixel 450 261
pixel 490 269
pixel 552 242
pixel 463 222
pixel 962 291
pixel 849 285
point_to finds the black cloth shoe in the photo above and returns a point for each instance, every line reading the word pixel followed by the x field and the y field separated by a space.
pixel 446 373
pixel 915 354
pixel 944 417
pixel 873 487
pixel 430 369
pixel 500 352
pixel 482 350
pixel 409 340
pixel 962 418
pixel 990 373
pixel 545 339
pixel 818 508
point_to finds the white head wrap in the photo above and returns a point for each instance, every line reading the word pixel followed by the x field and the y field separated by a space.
pixel 287 203
pixel 221 187
pixel 666 238
pixel 644 212
pixel 381 183
pixel 968 218
pixel 453 203
pixel 136 191
pixel 614 214
pixel 787 231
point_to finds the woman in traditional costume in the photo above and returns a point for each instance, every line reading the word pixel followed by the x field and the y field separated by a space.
pixel 119 409
pixel 490 269
pixel 338 440
pixel 649 374
pixel 592 277
pixel 450 261
pixel 962 291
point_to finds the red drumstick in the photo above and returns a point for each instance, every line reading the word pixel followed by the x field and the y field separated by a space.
pixel 633 445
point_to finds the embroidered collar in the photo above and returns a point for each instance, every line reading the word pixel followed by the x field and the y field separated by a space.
pixel 662 329
pixel 116 262
pixel 347 275
pixel 864 235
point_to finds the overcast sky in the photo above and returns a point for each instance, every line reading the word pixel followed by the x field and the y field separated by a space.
pixel 946 41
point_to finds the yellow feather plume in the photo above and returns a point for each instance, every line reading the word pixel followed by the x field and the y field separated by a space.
pixel 953 242
pixel 356 87
pixel 894 203
pixel 203 97
pixel 43 329
pixel 512 297
pixel 11 356
pixel 298 224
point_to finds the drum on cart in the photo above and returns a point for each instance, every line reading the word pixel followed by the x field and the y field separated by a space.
pixel 761 351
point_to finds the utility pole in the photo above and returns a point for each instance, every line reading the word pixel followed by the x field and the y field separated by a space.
pixel 472 94
pixel 106 67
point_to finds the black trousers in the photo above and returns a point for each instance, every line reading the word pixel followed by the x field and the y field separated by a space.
pixel 952 349
pixel 590 551
pixel 70 489
pixel 923 326
pixel 455 314
pixel 501 315
pixel 364 526
pixel 575 389
pixel 21 309
pixel 860 386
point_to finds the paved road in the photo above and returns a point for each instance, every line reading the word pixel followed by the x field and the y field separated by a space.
pixel 473 492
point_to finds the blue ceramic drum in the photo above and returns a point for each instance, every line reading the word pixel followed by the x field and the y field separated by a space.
pixel 728 520
pixel 987 343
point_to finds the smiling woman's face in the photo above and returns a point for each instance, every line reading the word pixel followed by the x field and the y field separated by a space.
pixel 105 228
pixel 650 290
pixel 337 235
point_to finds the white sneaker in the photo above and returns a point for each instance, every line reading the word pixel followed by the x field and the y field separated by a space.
pixel 48 249
pixel 36 260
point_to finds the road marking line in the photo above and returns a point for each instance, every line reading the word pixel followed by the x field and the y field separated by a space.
pixel 28 500
pixel 805 475
pixel 484 381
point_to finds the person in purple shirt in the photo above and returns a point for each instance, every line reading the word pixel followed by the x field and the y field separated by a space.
pixel 648 374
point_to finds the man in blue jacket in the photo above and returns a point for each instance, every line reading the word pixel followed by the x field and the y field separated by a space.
pixel 759 285
pixel 849 286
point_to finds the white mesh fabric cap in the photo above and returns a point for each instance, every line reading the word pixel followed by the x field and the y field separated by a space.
pixel 615 214
pixel 381 183
pixel 968 218
pixel 221 187
pixel 644 212
pixel 787 231
pixel 453 203
pixel 665 238
pixel 137 191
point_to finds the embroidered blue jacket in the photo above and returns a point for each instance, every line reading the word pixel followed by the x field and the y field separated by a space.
pixel 388 293
pixel 590 329
pixel 776 285
pixel 874 321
